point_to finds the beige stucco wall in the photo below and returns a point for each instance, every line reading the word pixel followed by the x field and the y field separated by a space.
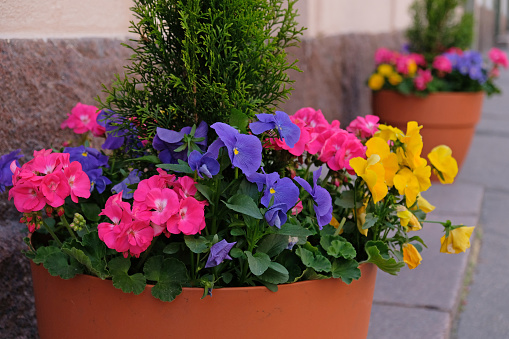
pixel 110 18
pixel 332 17
pixel 64 18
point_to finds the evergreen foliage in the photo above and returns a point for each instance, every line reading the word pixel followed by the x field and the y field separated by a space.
pixel 202 59
pixel 437 26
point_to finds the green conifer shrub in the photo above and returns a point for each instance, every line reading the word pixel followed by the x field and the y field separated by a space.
pixel 199 60
pixel 438 25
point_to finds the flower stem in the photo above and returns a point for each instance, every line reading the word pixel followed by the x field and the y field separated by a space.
pixel 66 224
pixel 50 231
pixel 145 254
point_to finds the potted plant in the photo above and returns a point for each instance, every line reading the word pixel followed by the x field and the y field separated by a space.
pixel 437 81
pixel 206 213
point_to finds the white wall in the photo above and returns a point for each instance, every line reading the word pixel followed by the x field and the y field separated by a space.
pixel 64 18
pixel 110 18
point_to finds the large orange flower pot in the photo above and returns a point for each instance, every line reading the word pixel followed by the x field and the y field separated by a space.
pixel 448 118
pixel 88 307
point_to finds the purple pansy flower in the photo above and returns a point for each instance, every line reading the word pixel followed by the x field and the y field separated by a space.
pixel 132 178
pixel 89 158
pixel 322 198
pixel 287 130
pixel 219 252
pixel 245 151
pixel 174 146
pixel 276 215
pixel 115 138
pixel 97 180
pixel 204 164
pixel 282 190
pixel 5 170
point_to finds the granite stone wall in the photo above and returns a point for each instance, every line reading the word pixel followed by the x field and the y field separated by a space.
pixel 41 80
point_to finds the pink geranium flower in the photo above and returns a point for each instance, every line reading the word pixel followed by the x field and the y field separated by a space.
pixel 190 218
pixel 442 64
pixel 137 236
pixel 163 203
pixel 78 180
pixel 498 57
pixel 55 188
pixel 364 127
pixel 339 149
pixel 185 187
pixel 27 197
pixel 83 118
pixel 385 56
pixel 422 79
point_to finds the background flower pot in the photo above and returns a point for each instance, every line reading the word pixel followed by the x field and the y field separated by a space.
pixel 448 118
pixel 88 307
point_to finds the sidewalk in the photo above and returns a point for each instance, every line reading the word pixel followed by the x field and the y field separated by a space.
pixel 435 300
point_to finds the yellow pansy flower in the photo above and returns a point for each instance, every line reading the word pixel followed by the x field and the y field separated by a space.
pixel 412 67
pixel 387 132
pixel 378 145
pixel 376 81
pixel 385 70
pixel 411 256
pixel 408 219
pixel 424 205
pixel 373 173
pixel 361 219
pixel 457 241
pixel 441 158
pixel 395 79
pixel 407 184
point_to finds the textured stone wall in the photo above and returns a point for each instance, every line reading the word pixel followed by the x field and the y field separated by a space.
pixel 42 80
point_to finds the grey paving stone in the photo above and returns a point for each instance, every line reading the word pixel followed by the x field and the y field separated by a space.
pixel 486 311
pixel 459 198
pixel 393 322
pixel 435 283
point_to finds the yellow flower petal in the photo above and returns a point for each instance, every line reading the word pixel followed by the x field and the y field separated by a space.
pixel 457 241
pixel 385 70
pixel 442 160
pixel 424 205
pixel 378 146
pixel 361 219
pixel 411 256
pixel 376 81
pixel 408 219
pixel 387 132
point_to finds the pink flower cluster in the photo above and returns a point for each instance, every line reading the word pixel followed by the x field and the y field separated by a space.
pixel 498 57
pixel 442 64
pixel 333 145
pixel 83 118
pixel 422 79
pixel 400 61
pixel 47 179
pixel 162 203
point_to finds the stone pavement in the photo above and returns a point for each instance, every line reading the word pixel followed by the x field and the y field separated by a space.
pixel 462 296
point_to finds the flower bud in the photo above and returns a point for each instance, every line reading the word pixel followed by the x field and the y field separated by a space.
pixel 49 211
pixel 60 211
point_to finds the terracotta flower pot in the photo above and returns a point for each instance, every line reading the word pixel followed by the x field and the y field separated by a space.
pixel 88 307
pixel 448 118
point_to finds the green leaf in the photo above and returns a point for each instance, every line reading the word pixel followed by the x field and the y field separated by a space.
pixel 244 204
pixel 338 246
pixel 170 278
pixel 205 191
pixel 58 264
pixel 239 120
pixel 44 252
pixel 90 252
pixel 172 248
pixel 294 230
pixel 347 270
pixel 227 277
pixel 275 274
pixel 273 244
pixel 196 244
pixel 258 263
pixel 370 221
pixel 379 258
pixel 314 260
pixel 91 211
pixel 346 200
pixel 148 158
pixel 119 268
pixel 236 253
pixel 182 167
pixel 237 232
pixel 152 267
